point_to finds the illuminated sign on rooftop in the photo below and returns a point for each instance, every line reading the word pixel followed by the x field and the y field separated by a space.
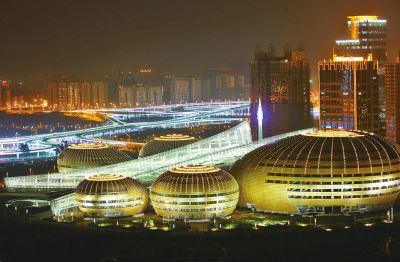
pixel 348 58
pixel 348 42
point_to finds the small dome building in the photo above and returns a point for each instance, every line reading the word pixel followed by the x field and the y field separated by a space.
pixel 194 192
pixel 111 196
pixel 83 156
pixel 165 143
pixel 321 172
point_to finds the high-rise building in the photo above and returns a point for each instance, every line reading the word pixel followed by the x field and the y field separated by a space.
pixel 196 90
pixel 94 93
pixel 126 84
pixel 73 94
pixel 349 94
pixel 62 94
pixel 167 89
pixel 127 95
pixel 181 89
pixel 366 35
pixel 221 84
pixel 148 95
pixel 112 91
pixel 77 94
pixel 282 84
pixel 86 93
pixel 5 94
pixel 99 94
pixel 392 84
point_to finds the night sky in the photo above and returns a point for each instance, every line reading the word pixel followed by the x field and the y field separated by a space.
pixel 92 38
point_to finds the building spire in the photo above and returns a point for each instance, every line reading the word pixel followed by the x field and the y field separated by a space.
pixel 260 116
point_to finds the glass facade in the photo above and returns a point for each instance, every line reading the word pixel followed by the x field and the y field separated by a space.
pixel 349 96
pixel 367 35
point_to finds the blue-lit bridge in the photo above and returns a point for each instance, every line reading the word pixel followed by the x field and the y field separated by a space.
pixel 222 149
pixel 180 115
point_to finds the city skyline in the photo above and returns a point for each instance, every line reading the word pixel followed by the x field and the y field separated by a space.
pixel 212 130
pixel 92 39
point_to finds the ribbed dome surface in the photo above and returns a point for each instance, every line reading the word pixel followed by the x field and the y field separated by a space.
pixel 110 184
pixel 165 143
pixel 324 150
pixel 321 172
pixel 194 192
pixel 109 195
pixel 195 178
pixel 84 156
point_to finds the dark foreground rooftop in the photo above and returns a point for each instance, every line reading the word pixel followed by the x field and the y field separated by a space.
pixel 24 241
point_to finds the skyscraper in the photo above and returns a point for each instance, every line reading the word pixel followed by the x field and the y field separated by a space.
pixel 77 94
pixel 127 95
pixel 196 90
pixel 221 84
pixel 349 94
pixel 148 95
pixel 392 84
pixel 181 90
pixel 5 94
pixel 282 84
pixel 367 35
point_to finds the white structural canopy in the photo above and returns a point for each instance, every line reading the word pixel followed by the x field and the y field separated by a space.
pixel 222 149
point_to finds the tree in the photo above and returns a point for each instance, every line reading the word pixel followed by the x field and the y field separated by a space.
pixel 24 148
pixel 57 150
pixel 63 145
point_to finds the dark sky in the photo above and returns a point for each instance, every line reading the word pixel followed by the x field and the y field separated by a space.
pixel 91 38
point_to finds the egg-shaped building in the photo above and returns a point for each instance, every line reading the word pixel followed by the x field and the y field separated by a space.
pixel 83 156
pixel 111 196
pixel 321 172
pixel 165 143
pixel 194 192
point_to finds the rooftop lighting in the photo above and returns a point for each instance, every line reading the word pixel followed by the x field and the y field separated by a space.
pixel 347 58
pixel 348 41
pixel 334 133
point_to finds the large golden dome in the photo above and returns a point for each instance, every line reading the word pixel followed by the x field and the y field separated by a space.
pixel 165 143
pixel 111 196
pixel 321 172
pixel 83 156
pixel 194 192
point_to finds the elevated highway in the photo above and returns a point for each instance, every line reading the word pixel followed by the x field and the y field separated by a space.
pixel 182 116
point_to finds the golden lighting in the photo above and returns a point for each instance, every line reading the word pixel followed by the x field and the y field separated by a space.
pixel 165 143
pixel 353 23
pixel 362 17
pixel 322 172
pixel 347 58
pixel 111 195
pixel 88 146
pixel 105 177
pixel 86 116
pixel 84 156
pixel 334 133
pixel 174 137
pixel 194 192
pixel 198 169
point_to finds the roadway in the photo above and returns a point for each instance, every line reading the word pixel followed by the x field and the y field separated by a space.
pixel 195 114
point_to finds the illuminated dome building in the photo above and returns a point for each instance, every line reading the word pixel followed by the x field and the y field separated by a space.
pixel 194 192
pixel 165 143
pixel 322 172
pixel 111 196
pixel 83 156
